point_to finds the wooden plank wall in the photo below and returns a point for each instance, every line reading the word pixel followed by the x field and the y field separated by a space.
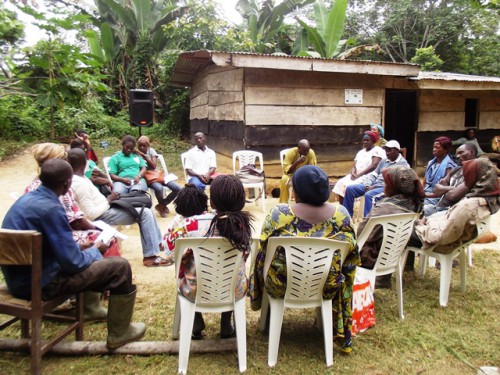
pixel 282 107
pixel 217 110
pixel 442 112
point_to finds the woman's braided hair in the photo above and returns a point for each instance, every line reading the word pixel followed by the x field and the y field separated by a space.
pixel 191 201
pixel 227 196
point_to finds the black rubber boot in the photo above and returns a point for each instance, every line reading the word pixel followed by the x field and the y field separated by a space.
pixel 198 326
pixel 226 326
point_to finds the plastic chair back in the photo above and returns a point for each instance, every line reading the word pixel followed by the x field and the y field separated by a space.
pixel 183 161
pixel 308 261
pixel 282 157
pixel 217 267
pixel 397 231
pixel 105 162
pixel 246 157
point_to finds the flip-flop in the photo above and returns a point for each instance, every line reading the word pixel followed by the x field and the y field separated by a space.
pixel 156 261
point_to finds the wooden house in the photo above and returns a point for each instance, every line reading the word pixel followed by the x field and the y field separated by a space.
pixel 267 103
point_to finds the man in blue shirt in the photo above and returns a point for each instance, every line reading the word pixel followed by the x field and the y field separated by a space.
pixel 373 184
pixel 66 268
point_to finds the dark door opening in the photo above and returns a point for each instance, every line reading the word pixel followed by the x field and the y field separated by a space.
pixel 400 121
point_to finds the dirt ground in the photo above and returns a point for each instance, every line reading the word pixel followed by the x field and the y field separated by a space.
pixel 18 171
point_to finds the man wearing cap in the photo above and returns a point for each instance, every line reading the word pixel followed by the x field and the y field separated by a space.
pixel 373 184
pixel 295 158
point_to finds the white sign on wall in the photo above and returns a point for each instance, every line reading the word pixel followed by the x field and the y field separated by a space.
pixel 353 96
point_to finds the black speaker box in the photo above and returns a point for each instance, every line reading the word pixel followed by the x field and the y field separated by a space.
pixel 141 108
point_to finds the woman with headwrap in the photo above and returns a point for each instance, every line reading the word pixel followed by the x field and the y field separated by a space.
pixel 377 128
pixel 437 168
pixel 150 156
pixel 366 161
pixel 459 222
pixel 227 198
pixel 310 216
pixel 403 193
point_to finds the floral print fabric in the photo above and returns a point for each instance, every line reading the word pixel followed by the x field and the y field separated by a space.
pixel 281 221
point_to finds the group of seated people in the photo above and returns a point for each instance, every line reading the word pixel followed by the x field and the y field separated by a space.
pixel 62 200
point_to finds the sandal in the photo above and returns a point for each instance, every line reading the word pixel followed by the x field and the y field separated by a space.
pixel 161 209
pixel 156 261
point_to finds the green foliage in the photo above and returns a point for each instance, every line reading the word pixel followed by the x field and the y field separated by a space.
pixel 22 119
pixel 325 37
pixel 428 60
pixel 202 27
pixel 11 29
pixel 265 21
pixel 464 33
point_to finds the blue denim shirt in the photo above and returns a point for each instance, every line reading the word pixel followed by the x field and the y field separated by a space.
pixel 41 210
pixel 375 178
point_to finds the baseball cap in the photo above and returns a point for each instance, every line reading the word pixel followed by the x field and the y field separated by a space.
pixel 392 144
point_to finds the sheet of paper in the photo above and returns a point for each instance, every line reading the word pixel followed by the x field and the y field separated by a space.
pixel 170 177
pixel 108 232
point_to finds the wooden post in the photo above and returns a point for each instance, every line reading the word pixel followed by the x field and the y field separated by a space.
pixel 77 348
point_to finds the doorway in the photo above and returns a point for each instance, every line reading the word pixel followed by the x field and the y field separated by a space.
pixel 400 120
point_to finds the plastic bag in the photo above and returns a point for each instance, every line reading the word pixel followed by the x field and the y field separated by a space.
pixel 363 305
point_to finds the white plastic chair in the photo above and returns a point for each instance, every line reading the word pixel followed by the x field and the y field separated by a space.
pixel 105 162
pixel 217 265
pixel 250 157
pixel 308 262
pixel 183 161
pixel 446 262
pixel 282 160
pixel 163 165
pixel 482 227
pixel 397 231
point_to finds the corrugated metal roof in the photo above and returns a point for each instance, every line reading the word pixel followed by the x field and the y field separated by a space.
pixel 442 76
pixel 190 63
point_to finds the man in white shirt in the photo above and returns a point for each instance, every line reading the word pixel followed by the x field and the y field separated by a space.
pixel 200 162
pixel 97 207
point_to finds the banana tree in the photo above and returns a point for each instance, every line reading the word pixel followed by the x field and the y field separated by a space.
pixel 265 20
pixel 325 37
pixel 132 37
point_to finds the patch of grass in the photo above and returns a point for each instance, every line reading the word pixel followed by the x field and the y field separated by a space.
pixel 431 339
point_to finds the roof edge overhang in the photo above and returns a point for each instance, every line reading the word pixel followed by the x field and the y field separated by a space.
pixel 189 64
pixel 455 81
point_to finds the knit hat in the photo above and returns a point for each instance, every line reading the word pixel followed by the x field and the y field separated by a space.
pixel 311 185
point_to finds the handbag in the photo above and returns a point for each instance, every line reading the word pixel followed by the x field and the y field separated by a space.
pixel 154 175
pixel 248 174
pixel 130 201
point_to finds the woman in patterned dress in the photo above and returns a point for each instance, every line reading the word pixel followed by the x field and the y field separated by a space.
pixel 227 197
pixel 310 216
